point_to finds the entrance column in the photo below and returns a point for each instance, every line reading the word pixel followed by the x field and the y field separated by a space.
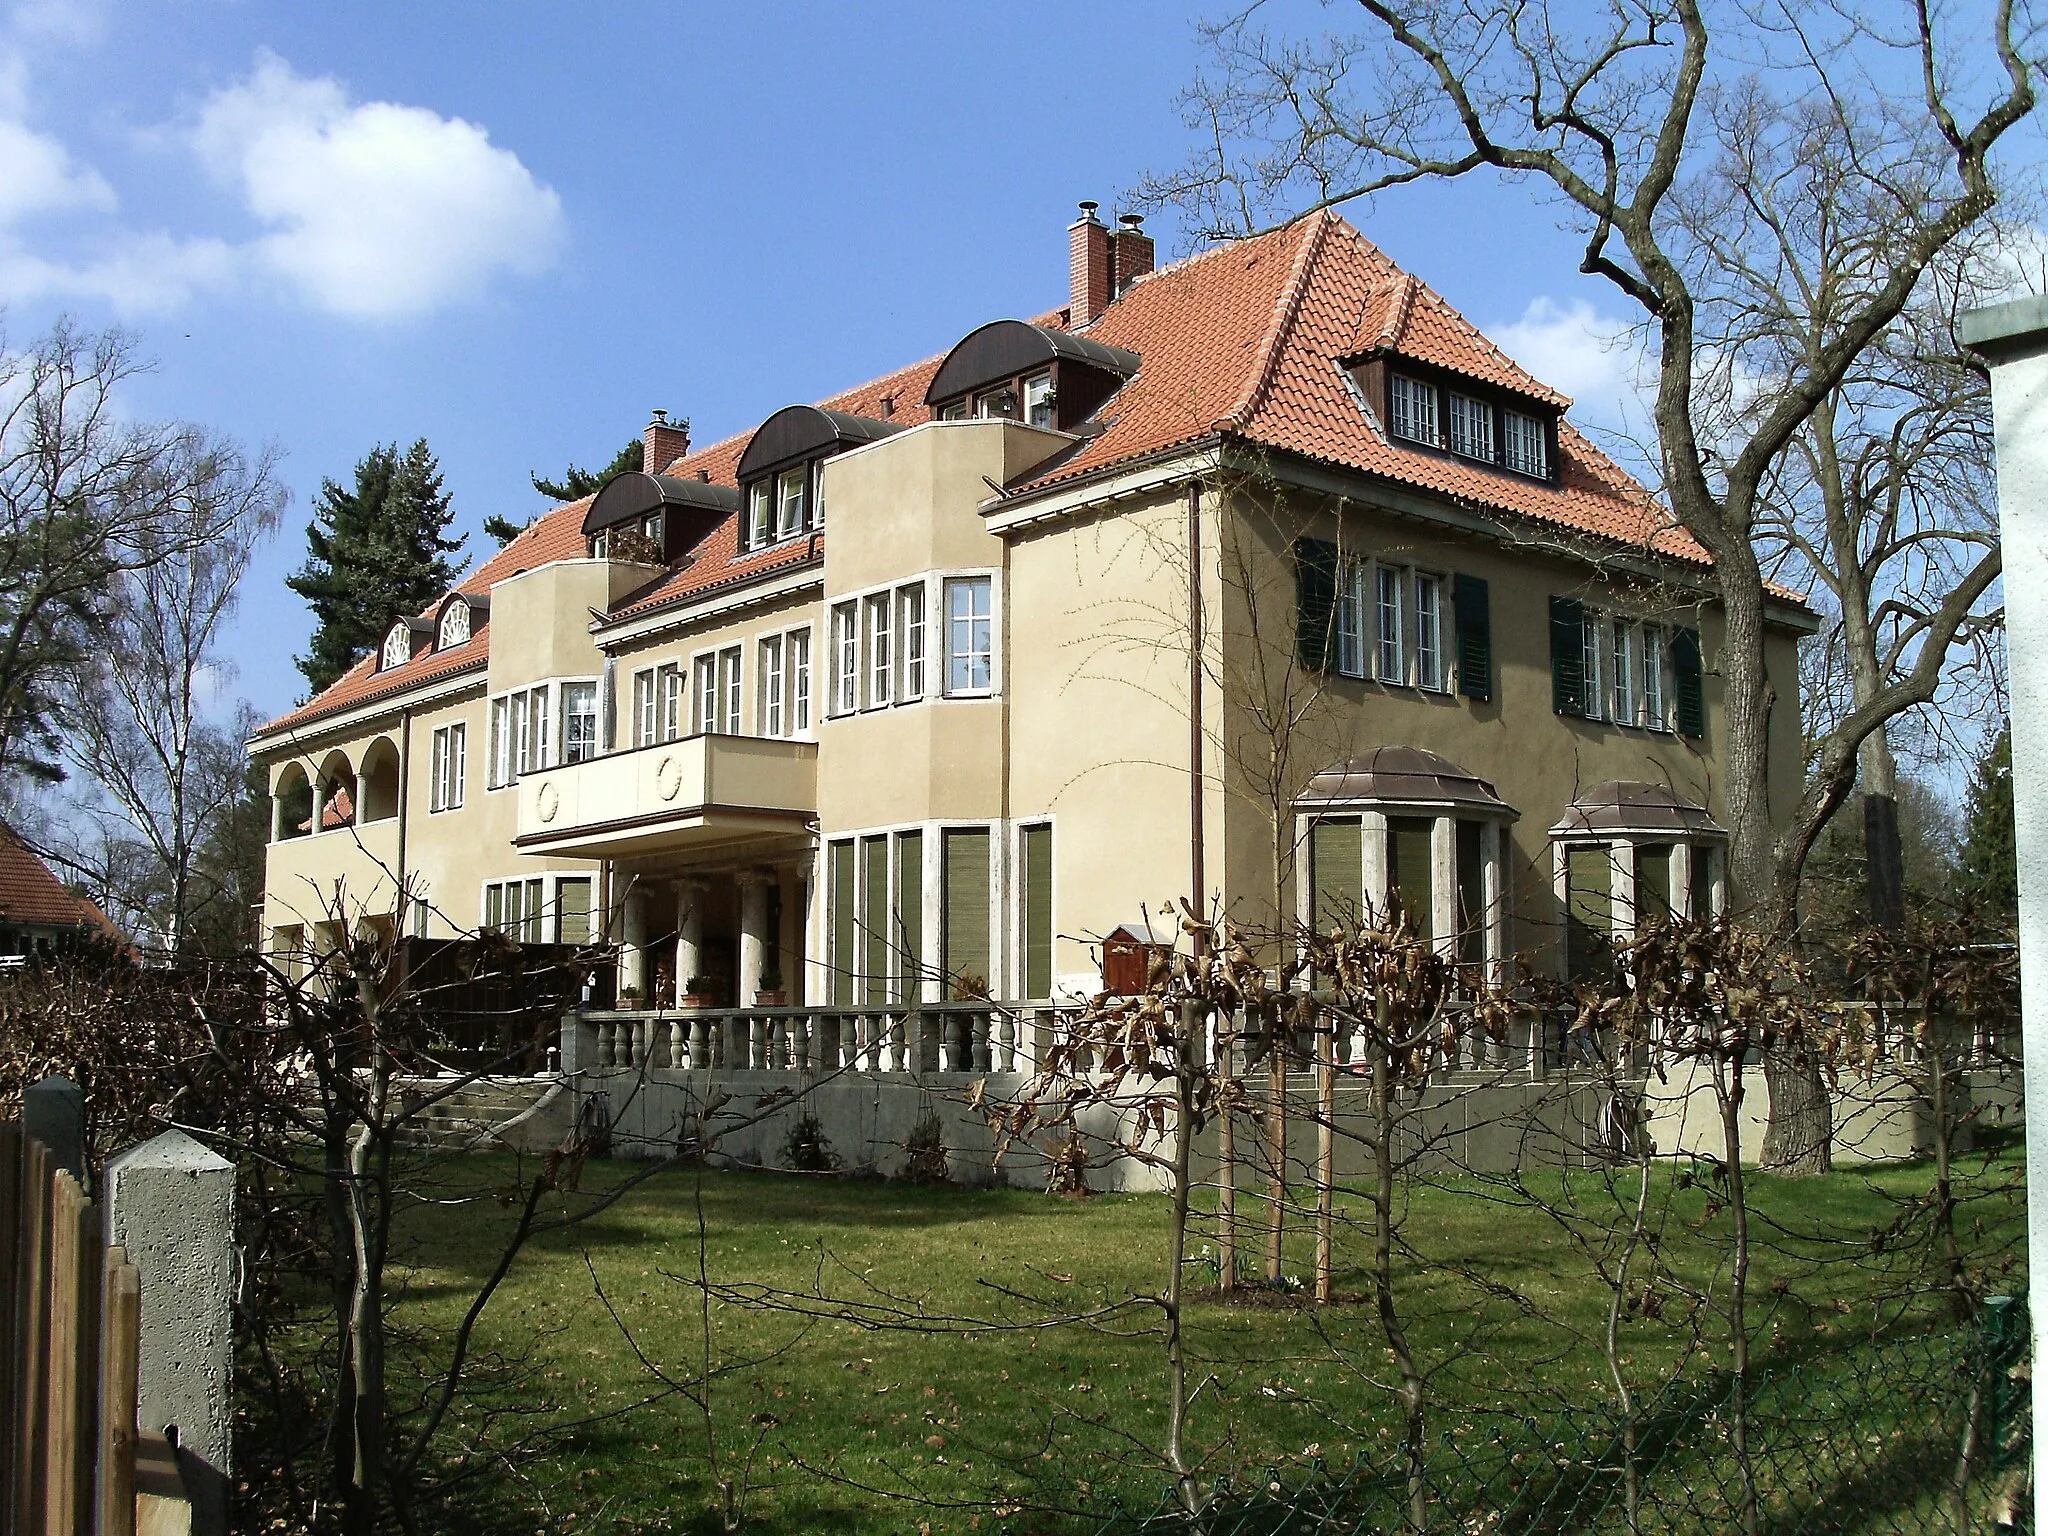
pixel 633 956
pixel 689 933
pixel 754 942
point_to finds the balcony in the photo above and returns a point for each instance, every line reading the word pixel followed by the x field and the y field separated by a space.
pixel 690 796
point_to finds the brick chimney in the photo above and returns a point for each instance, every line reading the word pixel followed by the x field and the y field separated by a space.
pixel 665 442
pixel 1130 253
pixel 1089 252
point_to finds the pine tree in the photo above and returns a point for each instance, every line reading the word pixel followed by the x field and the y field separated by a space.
pixel 1988 876
pixel 374 552
pixel 576 483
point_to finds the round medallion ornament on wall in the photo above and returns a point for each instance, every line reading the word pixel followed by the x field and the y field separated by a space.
pixel 547 802
pixel 668 777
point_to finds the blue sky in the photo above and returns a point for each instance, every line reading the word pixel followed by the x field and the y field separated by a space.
pixel 514 229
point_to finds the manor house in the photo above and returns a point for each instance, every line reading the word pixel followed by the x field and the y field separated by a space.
pixel 1263 574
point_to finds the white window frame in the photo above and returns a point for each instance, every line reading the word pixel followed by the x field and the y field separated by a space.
pixel 565 688
pixel 877 612
pixel 671 707
pixel 844 698
pixel 1593 655
pixel 1656 657
pixel 761 506
pixel 397 650
pixel 454 627
pixel 1525 444
pixel 704 693
pixel 1428 671
pixel 645 717
pixel 769 709
pixel 521 738
pixel 797 656
pixel 910 606
pixel 498 743
pixel 1621 672
pixel 1390 603
pixel 1354 581
pixel 1038 395
pixel 731 688
pixel 1471 427
pixel 450 767
pixel 957 625
pixel 790 488
pixel 1412 410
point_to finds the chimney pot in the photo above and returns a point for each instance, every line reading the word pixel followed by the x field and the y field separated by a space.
pixel 1130 250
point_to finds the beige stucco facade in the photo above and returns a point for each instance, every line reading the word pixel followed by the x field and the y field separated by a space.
pixel 724 822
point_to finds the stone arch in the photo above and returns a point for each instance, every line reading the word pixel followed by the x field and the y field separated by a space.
pixel 291 803
pixel 377 781
pixel 336 788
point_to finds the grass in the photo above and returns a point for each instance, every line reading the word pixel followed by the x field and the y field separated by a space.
pixel 818 1424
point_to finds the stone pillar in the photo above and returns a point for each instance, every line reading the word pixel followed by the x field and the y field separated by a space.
pixel 276 817
pixel 1493 893
pixel 1443 885
pixel 689 932
pixel 53 1112
pixel 1682 855
pixel 171 1205
pixel 319 784
pixel 1372 841
pixel 633 957
pixel 1621 892
pixel 2013 338
pixel 755 938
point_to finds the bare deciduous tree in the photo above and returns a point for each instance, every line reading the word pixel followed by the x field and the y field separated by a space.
pixel 1865 148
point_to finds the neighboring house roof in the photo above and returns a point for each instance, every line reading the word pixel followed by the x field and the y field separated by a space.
pixel 1246 341
pixel 32 897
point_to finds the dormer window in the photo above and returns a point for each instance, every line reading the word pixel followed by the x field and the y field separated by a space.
pixel 1414 410
pixel 790 486
pixel 1010 371
pixel 397 647
pixel 1039 400
pixel 783 470
pixel 1528 445
pixel 997 403
pixel 1485 426
pixel 454 629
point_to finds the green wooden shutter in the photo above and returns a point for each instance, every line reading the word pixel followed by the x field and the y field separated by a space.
pixel 843 927
pixel 966 906
pixel 1473 607
pixel 1687 672
pixel 1567 656
pixel 1315 601
pixel 908 933
pixel 1037 912
pixel 1336 864
pixel 874 920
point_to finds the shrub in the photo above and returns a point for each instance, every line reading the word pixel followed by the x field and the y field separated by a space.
pixel 807 1148
pixel 926 1146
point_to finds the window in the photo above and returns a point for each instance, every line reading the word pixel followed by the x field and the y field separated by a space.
pixel 1035 919
pixel 956 411
pixel 1595 667
pixel 706 690
pixel 761 513
pixel 799 654
pixel 451 759
pixel 910 610
pixel 969 635
pixel 1429 649
pixel 769 712
pixel 844 957
pixel 881 657
pixel 845 659
pixel 997 404
pixel 499 763
pixel 572 911
pixel 1387 663
pixel 729 690
pixel 579 721
pixel 454 626
pixel 907 933
pixel 515 908
pixel 1351 618
pixel 643 707
pixel 1411 873
pixel 1038 401
pixel 397 647
pixel 1414 409
pixel 1528 445
pixel 1655 715
pixel 789 496
pixel 1336 865
pixel 668 682
pixel 964 906
pixel 1472 428
pixel 1622 672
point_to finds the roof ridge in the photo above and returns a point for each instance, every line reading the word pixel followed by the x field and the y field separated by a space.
pixel 1285 311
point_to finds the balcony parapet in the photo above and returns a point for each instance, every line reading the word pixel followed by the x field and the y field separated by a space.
pixel 671 795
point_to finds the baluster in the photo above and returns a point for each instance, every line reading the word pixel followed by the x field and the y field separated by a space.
pixel 984 1025
pixel 606 1029
pixel 945 1061
pixel 700 1045
pixel 757 1030
pixel 1006 1042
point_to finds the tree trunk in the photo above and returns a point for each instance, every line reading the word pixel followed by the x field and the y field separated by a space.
pixel 1800 1141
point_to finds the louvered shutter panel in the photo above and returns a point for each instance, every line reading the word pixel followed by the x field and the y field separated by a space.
pixel 1037 911
pixel 1315 601
pixel 1473 608
pixel 966 907
pixel 1687 673
pixel 1567 656
pixel 843 927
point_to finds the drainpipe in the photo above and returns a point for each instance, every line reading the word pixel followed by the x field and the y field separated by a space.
pixel 2013 339
pixel 1198 876
pixel 404 793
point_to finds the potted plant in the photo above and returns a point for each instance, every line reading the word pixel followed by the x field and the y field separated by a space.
pixel 696 993
pixel 771 993
pixel 629 998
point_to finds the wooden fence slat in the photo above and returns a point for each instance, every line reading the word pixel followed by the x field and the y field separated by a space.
pixel 60 1442
pixel 85 1429
pixel 121 1335
pixel 34 1340
pixel 11 1263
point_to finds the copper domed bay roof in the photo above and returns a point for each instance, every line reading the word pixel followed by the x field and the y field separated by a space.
pixel 1405 776
pixel 1632 808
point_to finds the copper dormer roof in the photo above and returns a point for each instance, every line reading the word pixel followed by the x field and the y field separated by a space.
pixel 1405 776
pixel 1629 808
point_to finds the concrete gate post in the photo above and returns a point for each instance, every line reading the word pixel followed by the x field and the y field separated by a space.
pixel 53 1112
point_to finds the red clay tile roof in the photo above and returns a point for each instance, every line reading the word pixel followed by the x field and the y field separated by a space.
pixel 31 894
pixel 1244 340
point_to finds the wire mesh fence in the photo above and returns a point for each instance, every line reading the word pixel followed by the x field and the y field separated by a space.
pixel 1925 1432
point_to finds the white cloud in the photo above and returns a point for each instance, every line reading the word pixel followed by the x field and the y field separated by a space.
pixel 37 176
pixel 373 210
pixel 135 274
pixel 1592 357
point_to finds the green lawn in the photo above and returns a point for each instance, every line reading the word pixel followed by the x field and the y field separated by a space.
pixel 821 1424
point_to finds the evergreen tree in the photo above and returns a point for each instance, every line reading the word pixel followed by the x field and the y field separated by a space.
pixel 577 483
pixel 1989 872
pixel 374 551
